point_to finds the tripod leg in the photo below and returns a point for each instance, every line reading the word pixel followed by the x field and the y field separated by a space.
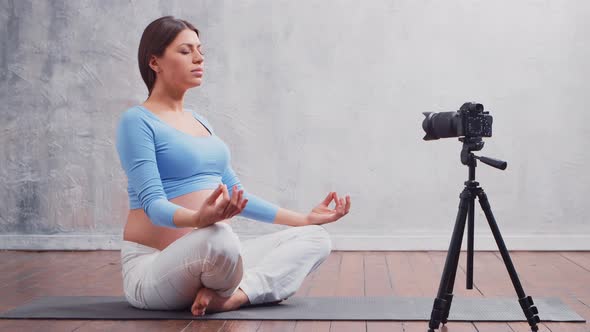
pixel 451 284
pixel 449 293
pixel 526 302
pixel 441 306
pixel 470 233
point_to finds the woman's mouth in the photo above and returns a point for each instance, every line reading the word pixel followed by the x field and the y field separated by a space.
pixel 197 72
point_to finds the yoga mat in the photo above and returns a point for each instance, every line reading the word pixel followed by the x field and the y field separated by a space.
pixel 300 308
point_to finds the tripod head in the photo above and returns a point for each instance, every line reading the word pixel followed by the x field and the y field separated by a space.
pixel 476 144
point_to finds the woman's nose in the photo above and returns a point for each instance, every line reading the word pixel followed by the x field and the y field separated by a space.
pixel 198 58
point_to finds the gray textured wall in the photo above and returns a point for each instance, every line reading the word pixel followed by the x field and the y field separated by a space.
pixel 311 96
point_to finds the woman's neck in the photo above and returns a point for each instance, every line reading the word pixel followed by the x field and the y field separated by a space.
pixel 172 101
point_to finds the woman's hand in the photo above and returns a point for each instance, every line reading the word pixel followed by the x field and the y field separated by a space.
pixel 212 211
pixel 322 214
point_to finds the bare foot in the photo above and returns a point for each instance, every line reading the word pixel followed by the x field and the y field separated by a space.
pixel 208 300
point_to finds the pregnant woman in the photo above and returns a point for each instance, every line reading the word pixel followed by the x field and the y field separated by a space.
pixel 178 249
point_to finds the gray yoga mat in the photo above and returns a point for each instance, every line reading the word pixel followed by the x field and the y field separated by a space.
pixel 300 308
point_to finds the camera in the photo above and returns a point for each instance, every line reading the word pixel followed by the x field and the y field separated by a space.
pixel 469 121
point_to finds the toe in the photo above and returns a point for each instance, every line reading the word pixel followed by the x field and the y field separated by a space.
pixel 198 310
pixel 201 302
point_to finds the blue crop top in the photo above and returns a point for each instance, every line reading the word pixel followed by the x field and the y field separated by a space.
pixel 162 162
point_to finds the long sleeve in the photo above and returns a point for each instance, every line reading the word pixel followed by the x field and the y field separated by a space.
pixel 135 145
pixel 256 208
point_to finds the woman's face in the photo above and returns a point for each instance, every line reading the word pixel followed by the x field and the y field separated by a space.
pixel 181 66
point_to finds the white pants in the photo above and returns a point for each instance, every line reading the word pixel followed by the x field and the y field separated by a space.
pixel 268 268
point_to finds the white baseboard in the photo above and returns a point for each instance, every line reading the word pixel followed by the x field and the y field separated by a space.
pixel 534 242
pixel 60 242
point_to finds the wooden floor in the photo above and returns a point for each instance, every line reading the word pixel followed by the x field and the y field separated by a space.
pixel 26 275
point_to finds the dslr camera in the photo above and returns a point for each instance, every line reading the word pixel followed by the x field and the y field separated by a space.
pixel 469 121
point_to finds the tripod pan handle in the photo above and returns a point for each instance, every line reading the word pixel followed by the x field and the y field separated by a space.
pixel 496 163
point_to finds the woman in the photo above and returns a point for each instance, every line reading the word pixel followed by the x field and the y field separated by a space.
pixel 178 249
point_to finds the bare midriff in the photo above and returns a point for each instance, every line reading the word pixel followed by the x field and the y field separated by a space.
pixel 141 230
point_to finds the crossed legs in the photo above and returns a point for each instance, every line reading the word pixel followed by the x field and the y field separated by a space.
pixel 210 270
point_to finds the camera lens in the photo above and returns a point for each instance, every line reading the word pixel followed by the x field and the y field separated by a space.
pixel 440 125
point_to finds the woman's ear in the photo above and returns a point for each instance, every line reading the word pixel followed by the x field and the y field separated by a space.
pixel 154 64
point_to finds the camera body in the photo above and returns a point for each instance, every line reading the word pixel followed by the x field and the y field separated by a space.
pixel 476 122
pixel 469 121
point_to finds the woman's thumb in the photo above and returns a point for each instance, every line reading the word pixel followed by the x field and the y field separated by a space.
pixel 213 197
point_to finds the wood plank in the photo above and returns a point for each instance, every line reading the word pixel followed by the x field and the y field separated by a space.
pixel 350 282
pixel 276 325
pixel 555 274
pixel 584 304
pixel 401 274
pixel 425 273
pixel 43 284
pixel 39 325
pixel 377 278
pixel 378 283
pixel 12 260
pixel 136 325
pixel 33 265
pixel 492 327
pixel 323 285
pixel 403 283
pixel 580 258
pixel 241 326
pixel 204 325
pixel 49 279
pixel 324 282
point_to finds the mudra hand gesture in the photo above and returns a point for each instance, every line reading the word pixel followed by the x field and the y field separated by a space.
pixel 323 214
pixel 213 209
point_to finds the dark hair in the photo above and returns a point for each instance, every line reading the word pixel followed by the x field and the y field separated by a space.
pixel 154 40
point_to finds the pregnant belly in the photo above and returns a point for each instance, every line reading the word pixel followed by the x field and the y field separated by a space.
pixel 140 229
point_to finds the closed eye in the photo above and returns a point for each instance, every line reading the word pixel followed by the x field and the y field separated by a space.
pixel 190 52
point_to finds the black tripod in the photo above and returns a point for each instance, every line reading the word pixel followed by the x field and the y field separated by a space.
pixel 444 297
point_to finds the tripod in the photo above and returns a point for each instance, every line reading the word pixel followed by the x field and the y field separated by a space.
pixel 444 297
